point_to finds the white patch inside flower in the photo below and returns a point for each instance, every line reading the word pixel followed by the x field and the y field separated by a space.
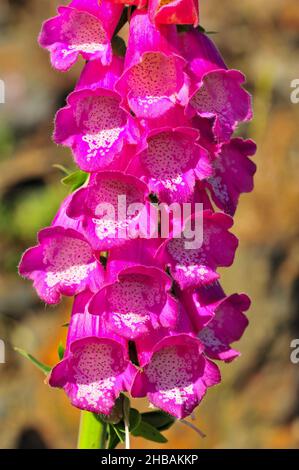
pixel 69 261
pixel 171 370
pixel 95 375
pixel 83 33
pixel 103 123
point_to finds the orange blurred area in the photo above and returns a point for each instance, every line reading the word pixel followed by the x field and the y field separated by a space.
pixel 257 404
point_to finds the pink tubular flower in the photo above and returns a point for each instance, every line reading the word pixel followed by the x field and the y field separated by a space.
pixel 227 326
pixel 177 376
pixel 63 263
pixel 92 123
pixel 169 163
pixel 153 80
pixel 174 11
pixel 216 93
pixel 233 173
pixel 110 208
pixel 137 303
pixel 192 267
pixel 83 27
pixel 96 366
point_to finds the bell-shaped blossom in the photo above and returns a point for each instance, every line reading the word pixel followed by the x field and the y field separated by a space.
pixel 137 303
pixel 96 365
pixel 83 27
pixel 194 256
pixel 177 375
pixel 63 263
pixel 92 124
pixel 113 208
pixel 154 79
pixel 216 92
pixel 170 161
pixel 174 11
pixel 226 327
pixel 233 173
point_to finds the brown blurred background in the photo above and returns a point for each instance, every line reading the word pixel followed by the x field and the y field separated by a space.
pixel 257 405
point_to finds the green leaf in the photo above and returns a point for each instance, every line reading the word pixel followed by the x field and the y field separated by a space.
pixel 134 420
pixel 148 432
pixel 158 419
pixel 43 367
pixel 113 439
pixel 75 179
pixel 60 351
pixel 65 325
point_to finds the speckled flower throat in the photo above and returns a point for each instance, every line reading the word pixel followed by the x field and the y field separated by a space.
pixel 151 120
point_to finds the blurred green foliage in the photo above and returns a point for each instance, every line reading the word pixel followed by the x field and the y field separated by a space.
pixel 31 211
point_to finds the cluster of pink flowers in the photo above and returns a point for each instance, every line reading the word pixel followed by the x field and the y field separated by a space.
pixel 155 126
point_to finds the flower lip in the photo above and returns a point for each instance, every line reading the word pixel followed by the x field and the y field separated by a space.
pixel 62 263
pixel 80 28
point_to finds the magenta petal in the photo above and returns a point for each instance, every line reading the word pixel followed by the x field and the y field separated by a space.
pixel 201 303
pixel 104 208
pixel 81 28
pixel 233 173
pixel 92 124
pixel 95 75
pixel 220 96
pixel 201 54
pixel 137 303
pixel 62 264
pixel 153 81
pixel 168 163
pixel 193 267
pixel 227 326
pixel 216 93
pixel 174 12
pixel 96 366
pixel 94 374
pixel 177 375
pixel 61 219
pixel 139 251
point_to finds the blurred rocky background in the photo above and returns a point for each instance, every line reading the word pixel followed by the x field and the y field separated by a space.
pixel 257 405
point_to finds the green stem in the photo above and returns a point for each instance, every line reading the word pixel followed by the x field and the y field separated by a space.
pixel 92 432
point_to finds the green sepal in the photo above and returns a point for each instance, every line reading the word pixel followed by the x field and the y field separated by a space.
pixel 158 419
pixel 61 351
pixel 75 180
